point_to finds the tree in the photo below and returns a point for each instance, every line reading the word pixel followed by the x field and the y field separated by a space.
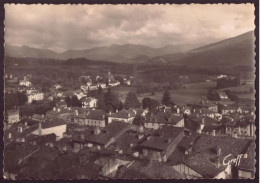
pixel 166 98
pixel 111 101
pixel 213 95
pixel 146 102
pixel 153 106
pixel 131 101
pixel 120 106
pixel 138 120
pixel 75 101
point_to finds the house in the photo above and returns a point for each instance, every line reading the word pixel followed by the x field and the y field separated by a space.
pixel 57 86
pixel 201 124
pixel 14 153
pixel 13 116
pixel 160 145
pixel 35 96
pixel 246 110
pixel 89 102
pixel 79 94
pixel 143 169
pixel 38 117
pixel 222 95
pixel 61 104
pixel 203 104
pixel 25 82
pixel 123 115
pixel 32 167
pixel 206 112
pixel 102 85
pixel 155 121
pixel 127 143
pixel 58 127
pixel 61 113
pixel 247 166
pixel 18 133
pixel 224 110
pixel 36 140
pixel 208 155
pixel 91 118
pixel 99 138
pixel 237 125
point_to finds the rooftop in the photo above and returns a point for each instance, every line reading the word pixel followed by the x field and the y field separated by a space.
pixel 130 113
pixel 162 137
pixel 105 134
pixel 53 123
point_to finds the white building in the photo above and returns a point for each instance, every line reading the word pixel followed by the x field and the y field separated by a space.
pixel 35 96
pixel 25 83
pixel 58 127
pixel 89 102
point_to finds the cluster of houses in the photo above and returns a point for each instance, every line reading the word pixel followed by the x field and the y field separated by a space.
pixel 198 140
pixel 182 142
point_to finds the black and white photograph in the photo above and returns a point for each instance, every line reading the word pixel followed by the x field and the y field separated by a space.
pixel 154 91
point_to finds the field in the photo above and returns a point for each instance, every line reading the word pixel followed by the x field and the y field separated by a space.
pixel 245 91
pixel 191 93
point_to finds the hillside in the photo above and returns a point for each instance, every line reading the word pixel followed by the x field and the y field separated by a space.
pixel 236 51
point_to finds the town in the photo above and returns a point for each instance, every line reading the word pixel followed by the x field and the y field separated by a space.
pixel 91 132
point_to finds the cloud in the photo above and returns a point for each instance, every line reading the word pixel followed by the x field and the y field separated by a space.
pixel 63 27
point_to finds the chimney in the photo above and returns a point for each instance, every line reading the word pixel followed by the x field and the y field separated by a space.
pixel 76 112
pixel 190 147
pixel 103 116
pixel 54 108
pixel 141 129
pixel 59 110
pixel 178 110
pixel 40 128
pixel 96 131
pixel 218 151
pixel 9 135
pixel 117 111
pixel 82 137
pixel 128 115
pixel 110 112
pixel 214 133
pixel 25 123
pixel 20 129
pixel 140 136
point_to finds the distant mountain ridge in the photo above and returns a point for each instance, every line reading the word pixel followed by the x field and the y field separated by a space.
pixel 236 51
pixel 115 52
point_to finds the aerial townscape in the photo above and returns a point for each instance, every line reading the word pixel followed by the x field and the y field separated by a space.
pixel 131 111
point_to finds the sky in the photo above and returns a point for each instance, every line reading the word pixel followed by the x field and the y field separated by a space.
pixel 66 27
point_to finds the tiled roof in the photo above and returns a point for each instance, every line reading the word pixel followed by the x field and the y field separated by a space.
pixel 124 114
pixel 13 152
pixel 249 163
pixel 29 168
pixel 204 151
pixel 92 114
pixel 164 118
pixel 193 123
pixel 160 138
pixel 126 142
pixel 37 116
pixel 87 99
pixel 202 163
pixel 150 170
pixel 105 134
pixel 53 123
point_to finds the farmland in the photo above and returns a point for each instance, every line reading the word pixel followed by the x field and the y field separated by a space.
pixel 189 93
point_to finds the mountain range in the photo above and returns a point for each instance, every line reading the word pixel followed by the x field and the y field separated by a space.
pixel 236 51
